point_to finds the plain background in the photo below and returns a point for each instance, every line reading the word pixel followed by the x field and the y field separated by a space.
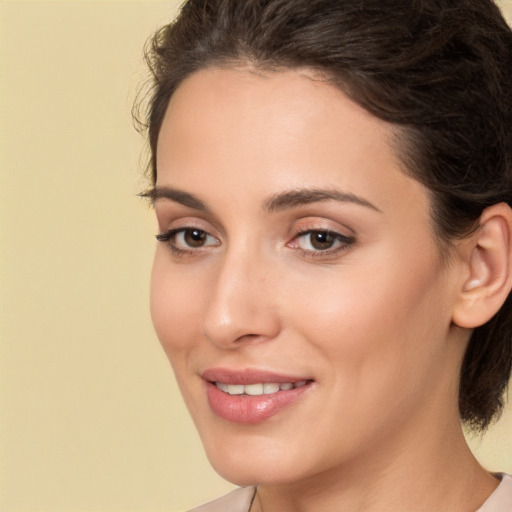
pixel 90 417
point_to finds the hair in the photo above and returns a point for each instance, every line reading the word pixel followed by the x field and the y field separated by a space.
pixel 440 71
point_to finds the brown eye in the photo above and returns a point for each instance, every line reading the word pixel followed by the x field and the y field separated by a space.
pixel 321 240
pixel 187 239
pixel 194 237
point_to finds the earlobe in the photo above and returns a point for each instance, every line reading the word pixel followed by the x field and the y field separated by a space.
pixel 488 279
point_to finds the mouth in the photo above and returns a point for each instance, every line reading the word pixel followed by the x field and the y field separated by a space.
pixel 250 397
pixel 259 388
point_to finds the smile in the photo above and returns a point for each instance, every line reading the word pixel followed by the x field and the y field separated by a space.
pixel 252 396
pixel 257 389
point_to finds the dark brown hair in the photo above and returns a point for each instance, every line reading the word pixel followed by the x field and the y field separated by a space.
pixel 439 70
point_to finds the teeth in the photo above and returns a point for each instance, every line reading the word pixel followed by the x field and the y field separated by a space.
pixel 265 388
pixel 254 389
pixel 222 387
pixel 235 389
pixel 268 389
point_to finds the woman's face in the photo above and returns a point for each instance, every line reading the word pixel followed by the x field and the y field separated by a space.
pixel 297 288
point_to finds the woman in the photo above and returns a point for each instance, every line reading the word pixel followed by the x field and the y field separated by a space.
pixel 332 182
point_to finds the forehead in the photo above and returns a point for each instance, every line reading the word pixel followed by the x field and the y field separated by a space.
pixel 281 130
pixel 283 103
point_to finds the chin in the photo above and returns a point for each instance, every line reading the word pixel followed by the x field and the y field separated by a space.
pixel 246 474
pixel 255 460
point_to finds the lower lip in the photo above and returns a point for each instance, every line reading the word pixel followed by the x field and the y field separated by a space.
pixel 251 409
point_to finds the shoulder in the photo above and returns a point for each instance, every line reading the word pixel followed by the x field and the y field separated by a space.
pixel 238 500
pixel 501 499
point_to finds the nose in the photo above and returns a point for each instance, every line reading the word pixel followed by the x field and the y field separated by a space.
pixel 241 305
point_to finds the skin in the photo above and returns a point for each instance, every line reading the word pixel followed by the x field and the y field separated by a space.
pixel 370 319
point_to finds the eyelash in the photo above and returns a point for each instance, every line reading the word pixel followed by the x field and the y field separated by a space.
pixel 169 239
pixel 343 242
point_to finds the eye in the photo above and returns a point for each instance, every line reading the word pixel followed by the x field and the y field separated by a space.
pixel 186 239
pixel 318 240
pixel 192 238
pixel 315 241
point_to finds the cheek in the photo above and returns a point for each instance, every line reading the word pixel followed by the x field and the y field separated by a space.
pixel 175 308
pixel 377 327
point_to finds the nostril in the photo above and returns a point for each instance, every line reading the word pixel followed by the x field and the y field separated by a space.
pixel 251 338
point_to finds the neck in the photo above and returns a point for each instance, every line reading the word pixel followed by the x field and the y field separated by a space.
pixel 430 473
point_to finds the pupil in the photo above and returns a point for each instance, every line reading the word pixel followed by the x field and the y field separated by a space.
pixel 322 240
pixel 195 237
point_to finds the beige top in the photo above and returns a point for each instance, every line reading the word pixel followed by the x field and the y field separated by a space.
pixel 240 499
pixel 501 499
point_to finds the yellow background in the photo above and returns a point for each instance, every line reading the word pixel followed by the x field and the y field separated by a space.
pixel 90 417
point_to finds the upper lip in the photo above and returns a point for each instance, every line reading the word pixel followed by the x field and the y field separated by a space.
pixel 248 376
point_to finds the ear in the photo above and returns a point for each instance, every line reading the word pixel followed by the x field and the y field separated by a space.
pixel 488 279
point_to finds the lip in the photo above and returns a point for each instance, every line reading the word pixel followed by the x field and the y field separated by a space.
pixel 249 376
pixel 247 409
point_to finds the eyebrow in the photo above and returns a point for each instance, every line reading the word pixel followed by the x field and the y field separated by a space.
pixel 302 197
pixel 276 203
pixel 173 194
